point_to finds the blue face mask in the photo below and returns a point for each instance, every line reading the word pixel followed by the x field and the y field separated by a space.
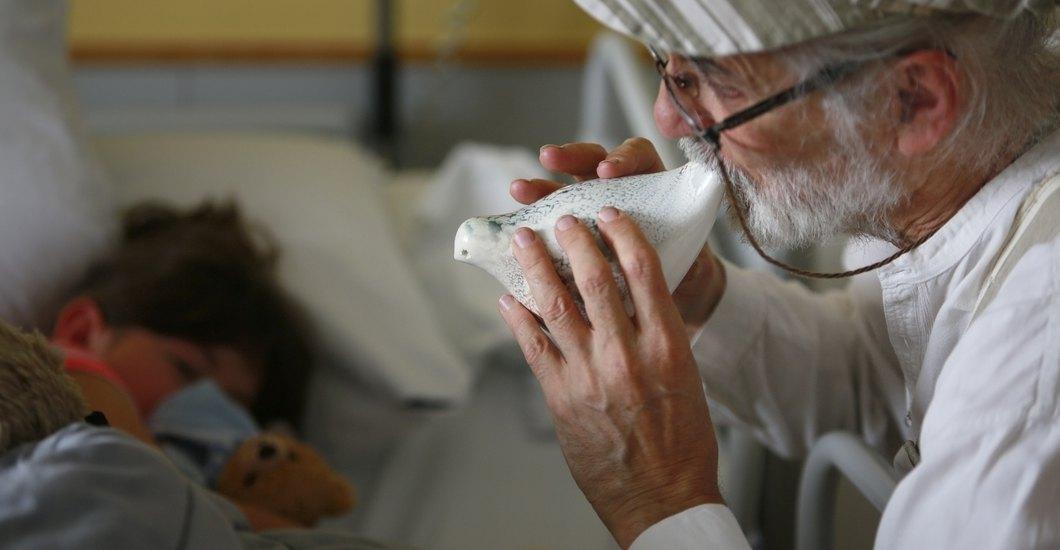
pixel 199 428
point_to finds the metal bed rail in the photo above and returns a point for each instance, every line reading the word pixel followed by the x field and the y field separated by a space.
pixel 838 453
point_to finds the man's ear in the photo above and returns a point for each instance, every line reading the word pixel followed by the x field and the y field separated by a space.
pixel 80 324
pixel 929 96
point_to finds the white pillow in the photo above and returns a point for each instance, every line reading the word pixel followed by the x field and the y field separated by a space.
pixel 54 202
pixel 320 199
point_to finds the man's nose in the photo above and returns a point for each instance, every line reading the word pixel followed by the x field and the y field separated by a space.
pixel 668 118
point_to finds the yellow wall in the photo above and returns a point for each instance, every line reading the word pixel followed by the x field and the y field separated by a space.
pixel 497 28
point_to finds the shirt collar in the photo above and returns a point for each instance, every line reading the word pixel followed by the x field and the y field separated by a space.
pixel 957 236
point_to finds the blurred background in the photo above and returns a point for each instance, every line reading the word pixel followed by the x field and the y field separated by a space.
pixel 192 98
pixel 410 77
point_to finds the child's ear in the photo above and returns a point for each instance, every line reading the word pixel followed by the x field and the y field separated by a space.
pixel 80 324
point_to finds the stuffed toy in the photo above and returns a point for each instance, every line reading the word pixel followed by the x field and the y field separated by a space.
pixel 215 441
pixel 286 477
pixel 37 397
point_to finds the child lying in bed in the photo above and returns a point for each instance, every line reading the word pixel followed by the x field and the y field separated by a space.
pixel 187 303
pixel 65 483
pixel 188 295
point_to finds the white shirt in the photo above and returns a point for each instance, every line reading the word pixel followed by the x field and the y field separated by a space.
pixel 900 351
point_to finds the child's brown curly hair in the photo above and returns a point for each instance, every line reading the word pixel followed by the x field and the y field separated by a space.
pixel 205 276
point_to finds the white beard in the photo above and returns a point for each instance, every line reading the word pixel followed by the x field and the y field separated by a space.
pixel 801 205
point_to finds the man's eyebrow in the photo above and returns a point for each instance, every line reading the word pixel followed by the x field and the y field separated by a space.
pixel 708 66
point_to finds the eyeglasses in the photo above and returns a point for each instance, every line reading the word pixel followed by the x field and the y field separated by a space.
pixel 712 135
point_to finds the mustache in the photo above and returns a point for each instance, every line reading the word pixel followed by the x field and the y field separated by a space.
pixel 695 150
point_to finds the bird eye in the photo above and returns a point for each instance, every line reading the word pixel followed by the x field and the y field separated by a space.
pixel 250 478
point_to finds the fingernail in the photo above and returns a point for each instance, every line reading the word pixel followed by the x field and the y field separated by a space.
pixel 543 147
pixel 609 214
pixel 608 161
pixel 523 237
pixel 507 301
pixel 566 222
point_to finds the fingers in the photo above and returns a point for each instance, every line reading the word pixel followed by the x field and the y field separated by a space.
pixel 640 265
pixel 533 190
pixel 577 159
pixel 592 274
pixel 554 302
pixel 540 353
pixel 634 156
pixel 587 161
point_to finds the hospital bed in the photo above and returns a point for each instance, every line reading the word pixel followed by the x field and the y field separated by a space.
pixel 473 465
pixel 834 454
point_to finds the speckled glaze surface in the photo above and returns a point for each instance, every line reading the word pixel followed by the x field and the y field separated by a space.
pixel 675 209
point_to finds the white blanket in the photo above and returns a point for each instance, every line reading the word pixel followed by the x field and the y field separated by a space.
pixel 88 487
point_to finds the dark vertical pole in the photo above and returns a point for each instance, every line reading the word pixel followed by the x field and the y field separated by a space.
pixel 384 86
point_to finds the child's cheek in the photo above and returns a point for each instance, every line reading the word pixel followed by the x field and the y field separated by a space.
pixel 149 383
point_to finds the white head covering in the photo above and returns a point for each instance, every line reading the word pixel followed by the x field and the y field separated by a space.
pixel 712 28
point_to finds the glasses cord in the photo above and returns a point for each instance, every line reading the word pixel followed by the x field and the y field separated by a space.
pixel 736 206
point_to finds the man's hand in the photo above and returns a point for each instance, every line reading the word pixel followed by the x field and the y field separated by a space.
pixel 625 394
pixel 702 287
pixel 588 161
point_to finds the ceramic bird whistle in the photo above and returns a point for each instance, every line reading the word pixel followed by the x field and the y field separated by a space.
pixel 675 210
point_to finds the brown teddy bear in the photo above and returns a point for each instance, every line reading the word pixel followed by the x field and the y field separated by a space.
pixel 287 477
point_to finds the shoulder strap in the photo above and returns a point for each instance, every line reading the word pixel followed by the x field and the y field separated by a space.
pixel 1037 221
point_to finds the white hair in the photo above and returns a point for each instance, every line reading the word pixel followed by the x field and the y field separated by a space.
pixel 802 204
pixel 1011 71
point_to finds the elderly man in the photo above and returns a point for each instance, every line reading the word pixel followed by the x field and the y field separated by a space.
pixel 924 125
